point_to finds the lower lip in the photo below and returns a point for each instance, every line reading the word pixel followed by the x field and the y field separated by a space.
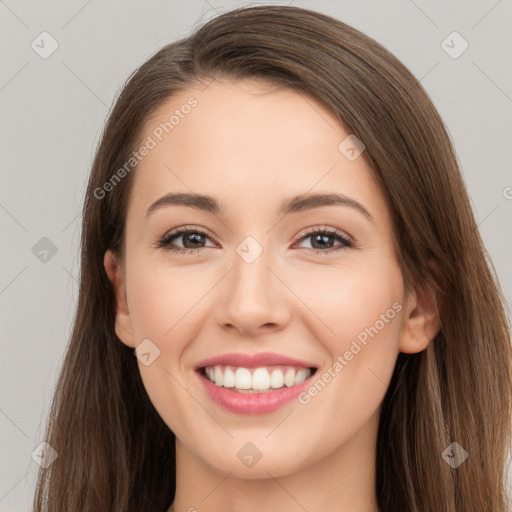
pixel 252 403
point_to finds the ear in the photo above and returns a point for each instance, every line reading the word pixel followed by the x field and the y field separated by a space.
pixel 123 324
pixel 421 321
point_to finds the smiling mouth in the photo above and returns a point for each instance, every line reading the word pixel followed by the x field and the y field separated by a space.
pixel 256 380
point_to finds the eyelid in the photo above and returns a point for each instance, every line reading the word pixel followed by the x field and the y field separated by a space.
pixel 324 228
pixel 302 234
pixel 190 227
pixel 347 241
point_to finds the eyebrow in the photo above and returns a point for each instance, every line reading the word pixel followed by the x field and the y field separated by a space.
pixel 294 204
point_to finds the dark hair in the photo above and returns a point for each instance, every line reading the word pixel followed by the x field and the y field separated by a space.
pixel 117 454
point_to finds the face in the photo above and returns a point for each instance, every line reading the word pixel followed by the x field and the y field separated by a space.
pixel 280 289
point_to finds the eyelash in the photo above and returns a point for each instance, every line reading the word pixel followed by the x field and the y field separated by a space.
pixel 165 241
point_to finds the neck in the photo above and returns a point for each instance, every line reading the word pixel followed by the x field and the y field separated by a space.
pixel 344 481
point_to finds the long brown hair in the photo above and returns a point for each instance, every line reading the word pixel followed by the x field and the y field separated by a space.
pixel 115 453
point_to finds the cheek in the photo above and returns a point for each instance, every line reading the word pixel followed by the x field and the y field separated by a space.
pixel 162 309
pixel 361 312
pixel 348 300
pixel 162 302
pixel 165 304
pixel 357 316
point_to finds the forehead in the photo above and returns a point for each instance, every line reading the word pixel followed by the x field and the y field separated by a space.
pixel 248 143
pixel 241 121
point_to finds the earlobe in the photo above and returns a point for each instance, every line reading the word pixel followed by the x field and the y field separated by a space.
pixel 421 321
pixel 123 326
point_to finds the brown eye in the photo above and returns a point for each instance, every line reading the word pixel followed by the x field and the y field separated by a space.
pixel 322 240
pixel 192 240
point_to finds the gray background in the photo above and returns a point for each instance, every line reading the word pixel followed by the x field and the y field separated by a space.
pixel 53 109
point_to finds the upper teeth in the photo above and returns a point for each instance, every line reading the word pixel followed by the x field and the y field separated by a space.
pixel 259 379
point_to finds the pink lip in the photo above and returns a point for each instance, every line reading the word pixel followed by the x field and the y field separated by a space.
pixel 252 403
pixel 252 361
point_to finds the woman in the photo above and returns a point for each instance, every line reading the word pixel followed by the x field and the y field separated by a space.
pixel 366 370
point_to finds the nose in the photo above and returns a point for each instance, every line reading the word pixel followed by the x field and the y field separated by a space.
pixel 254 298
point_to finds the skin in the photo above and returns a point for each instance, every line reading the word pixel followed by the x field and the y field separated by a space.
pixel 251 145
